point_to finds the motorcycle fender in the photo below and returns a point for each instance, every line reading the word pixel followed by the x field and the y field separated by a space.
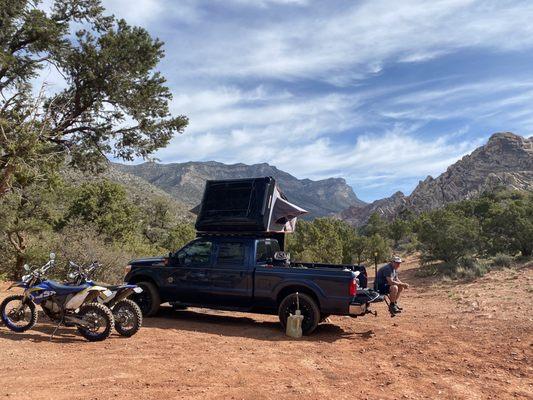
pixel 127 292
pixel 17 284
pixel 87 295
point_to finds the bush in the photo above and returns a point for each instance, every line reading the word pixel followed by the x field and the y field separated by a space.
pixel 470 269
pixel 466 268
pixel 502 260
pixel 447 235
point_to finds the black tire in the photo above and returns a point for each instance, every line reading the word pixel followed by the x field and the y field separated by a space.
pixel 308 307
pixel 148 300
pixel 9 322
pixel 103 313
pixel 128 317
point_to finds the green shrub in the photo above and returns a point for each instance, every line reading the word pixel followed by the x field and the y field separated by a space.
pixel 469 268
pixel 466 268
pixel 502 260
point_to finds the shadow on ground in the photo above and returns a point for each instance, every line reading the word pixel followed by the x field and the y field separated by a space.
pixel 42 332
pixel 196 320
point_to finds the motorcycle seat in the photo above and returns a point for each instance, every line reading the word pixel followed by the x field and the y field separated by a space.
pixel 63 289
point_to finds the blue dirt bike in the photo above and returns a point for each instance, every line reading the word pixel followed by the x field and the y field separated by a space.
pixel 75 305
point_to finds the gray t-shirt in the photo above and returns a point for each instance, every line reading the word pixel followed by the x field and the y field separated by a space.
pixel 385 272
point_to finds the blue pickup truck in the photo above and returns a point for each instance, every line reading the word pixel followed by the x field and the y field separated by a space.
pixel 250 273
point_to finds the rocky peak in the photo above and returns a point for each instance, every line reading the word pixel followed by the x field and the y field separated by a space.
pixel 506 160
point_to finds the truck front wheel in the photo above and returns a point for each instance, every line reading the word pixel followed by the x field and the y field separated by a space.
pixel 148 300
pixel 308 308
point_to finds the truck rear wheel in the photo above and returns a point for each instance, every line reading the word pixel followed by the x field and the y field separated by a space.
pixel 308 308
pixel 148 300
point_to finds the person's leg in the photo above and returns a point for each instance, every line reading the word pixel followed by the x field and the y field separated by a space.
pixel 400 289
pixel 393 293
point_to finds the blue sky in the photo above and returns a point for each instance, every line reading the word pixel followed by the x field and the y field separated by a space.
pixel 381 92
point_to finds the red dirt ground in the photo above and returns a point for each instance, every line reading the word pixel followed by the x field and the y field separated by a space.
pixel 453 341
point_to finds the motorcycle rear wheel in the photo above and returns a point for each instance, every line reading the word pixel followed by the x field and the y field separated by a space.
pixel 128 317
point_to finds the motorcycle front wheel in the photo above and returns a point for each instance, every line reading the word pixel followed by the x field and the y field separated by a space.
pixel 98 322
pixel 18 314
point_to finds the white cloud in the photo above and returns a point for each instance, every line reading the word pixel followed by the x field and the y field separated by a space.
pixel 357 39
pixel 139 12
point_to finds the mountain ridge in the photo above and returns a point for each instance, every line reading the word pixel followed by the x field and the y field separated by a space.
pixel 506 160
pixel 185 182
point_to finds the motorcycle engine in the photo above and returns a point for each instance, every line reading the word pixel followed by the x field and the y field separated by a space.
pixel 51 306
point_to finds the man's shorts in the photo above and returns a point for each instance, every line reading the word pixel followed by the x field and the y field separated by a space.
pixel 384 289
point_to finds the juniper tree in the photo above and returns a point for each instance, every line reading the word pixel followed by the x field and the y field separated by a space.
pixel 113 100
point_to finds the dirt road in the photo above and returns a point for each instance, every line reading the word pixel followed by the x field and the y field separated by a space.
pixel 453 341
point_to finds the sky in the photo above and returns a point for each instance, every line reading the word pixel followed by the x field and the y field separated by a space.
pixel 382 93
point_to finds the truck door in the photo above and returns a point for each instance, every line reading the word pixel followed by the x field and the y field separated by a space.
pixel 189 278
pixel 230 276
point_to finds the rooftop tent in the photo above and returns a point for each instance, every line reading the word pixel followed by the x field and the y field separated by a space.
pixel 252 205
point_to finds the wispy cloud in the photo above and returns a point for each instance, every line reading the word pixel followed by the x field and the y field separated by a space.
pixel 380 92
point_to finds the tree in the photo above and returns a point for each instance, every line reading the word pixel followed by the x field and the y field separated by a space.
pixel 377 248
pixel 317 241
pixel 398 230
pixel 22 214
pixel 114 101
pixel 347 235
pixel 157 220
pixel 180 234
pixel 375 225
pixel 508 226
pixel 448 235
pixel 358 247
pixel 105 204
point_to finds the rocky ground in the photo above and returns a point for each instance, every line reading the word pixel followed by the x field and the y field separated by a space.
pixel 454 341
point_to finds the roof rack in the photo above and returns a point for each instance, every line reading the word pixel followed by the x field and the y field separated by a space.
pixel 280 236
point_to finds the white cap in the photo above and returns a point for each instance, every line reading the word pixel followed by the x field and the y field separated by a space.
pixel 396 259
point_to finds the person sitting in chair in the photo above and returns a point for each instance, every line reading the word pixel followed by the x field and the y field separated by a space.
pixel 388 283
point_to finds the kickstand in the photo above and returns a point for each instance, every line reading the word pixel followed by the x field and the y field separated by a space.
pixel 57 327
pixel 386 299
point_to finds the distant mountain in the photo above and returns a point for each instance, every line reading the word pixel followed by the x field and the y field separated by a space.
pixel 505 161
pixel 185 182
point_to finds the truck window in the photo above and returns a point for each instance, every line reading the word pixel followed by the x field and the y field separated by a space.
pixel 274 246
pixel 262 252
pixel 266 249
pixel 230 253
pixel 195 254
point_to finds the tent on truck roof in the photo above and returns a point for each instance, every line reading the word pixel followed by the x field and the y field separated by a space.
pixel 246 205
